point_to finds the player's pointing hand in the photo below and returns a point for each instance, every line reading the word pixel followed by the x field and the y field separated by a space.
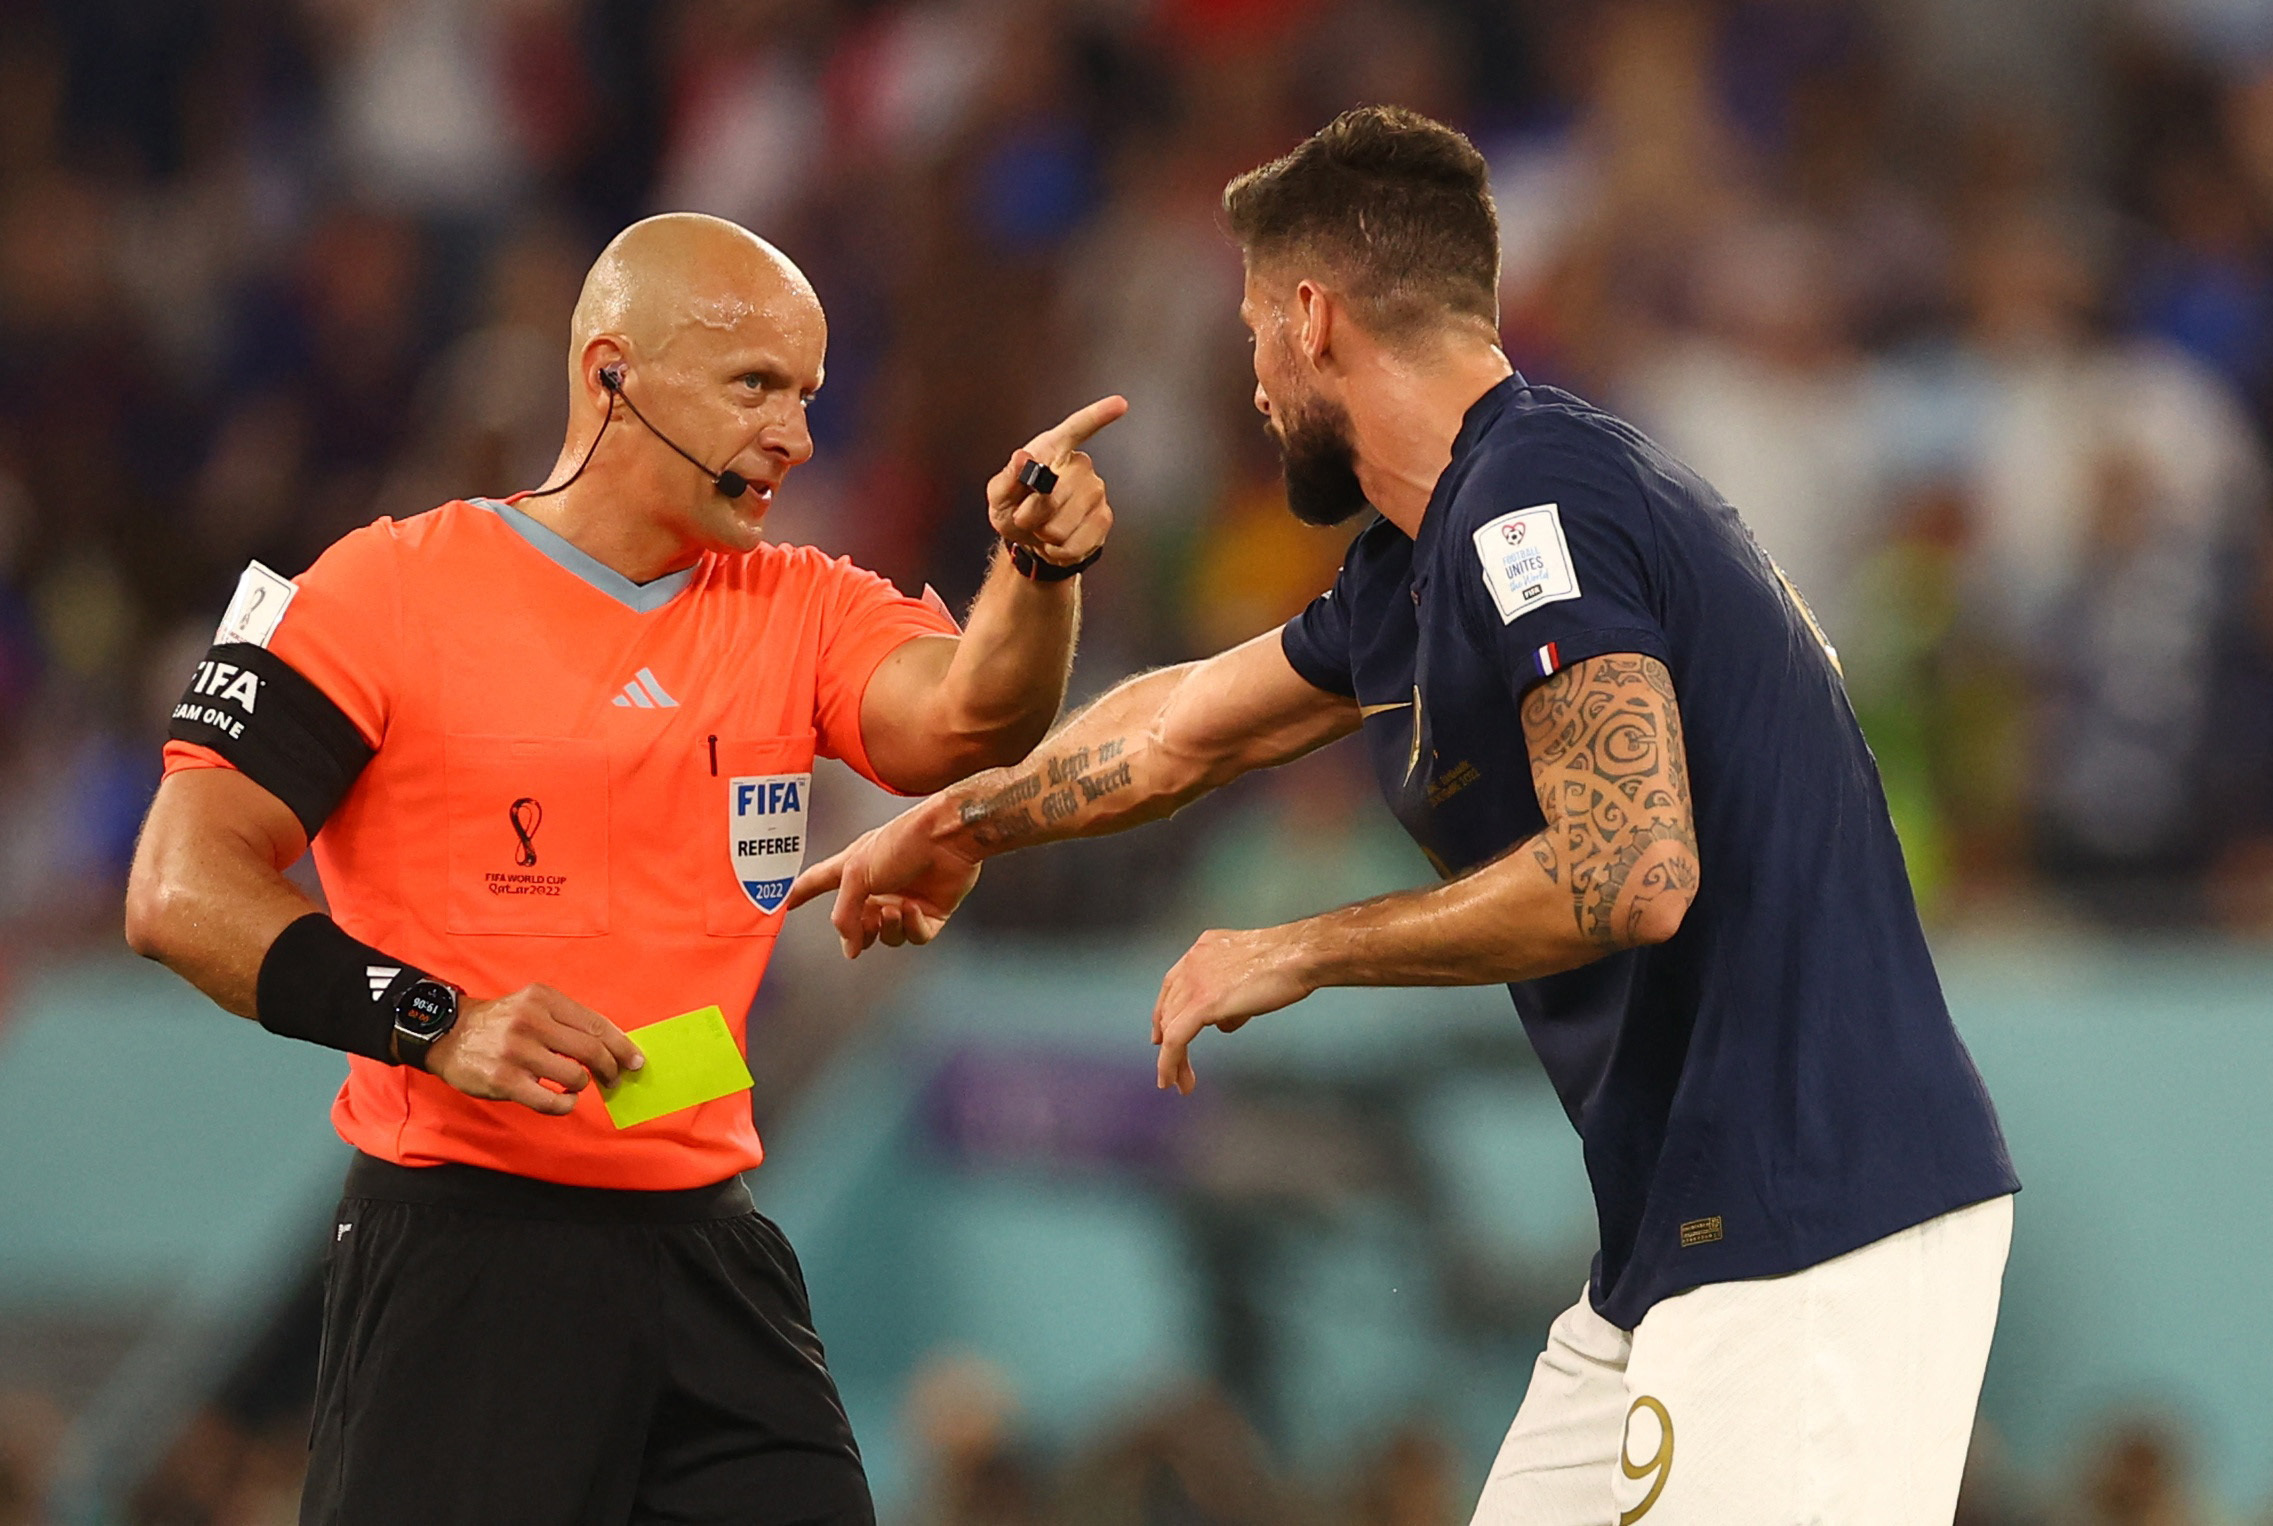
pixel 1073 518
pixel 894 885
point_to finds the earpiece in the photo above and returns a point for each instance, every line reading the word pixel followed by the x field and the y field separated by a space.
pixel 730 483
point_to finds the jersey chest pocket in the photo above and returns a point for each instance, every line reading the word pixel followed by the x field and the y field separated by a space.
pixel 528 835
pixel 758 797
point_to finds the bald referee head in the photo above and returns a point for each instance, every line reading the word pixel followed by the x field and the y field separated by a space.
pixel 717 343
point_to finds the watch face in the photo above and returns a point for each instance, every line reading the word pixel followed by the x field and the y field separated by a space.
pixel 429 1008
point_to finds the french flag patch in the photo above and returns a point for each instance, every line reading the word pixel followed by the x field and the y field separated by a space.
pixel 1548 660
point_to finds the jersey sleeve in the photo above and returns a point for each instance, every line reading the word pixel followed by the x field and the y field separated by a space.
pixel 864 620
pixel 1317 642
pixel 296 690
pixel 1557 562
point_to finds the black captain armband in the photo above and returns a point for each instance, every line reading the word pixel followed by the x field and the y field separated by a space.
pixel 273 725
pixel 317 983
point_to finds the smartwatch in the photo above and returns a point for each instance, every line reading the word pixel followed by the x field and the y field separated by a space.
pixel 426 1010
pixel 1041 570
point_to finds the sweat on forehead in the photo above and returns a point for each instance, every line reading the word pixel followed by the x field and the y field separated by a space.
pixel 665 274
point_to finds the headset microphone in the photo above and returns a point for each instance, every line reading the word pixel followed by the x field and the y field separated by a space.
pixel 730 483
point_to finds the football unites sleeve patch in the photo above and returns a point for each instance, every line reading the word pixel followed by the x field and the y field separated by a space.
pixel 1525 560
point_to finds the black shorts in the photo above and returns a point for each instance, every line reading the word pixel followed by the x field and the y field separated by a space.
pixel 500 1350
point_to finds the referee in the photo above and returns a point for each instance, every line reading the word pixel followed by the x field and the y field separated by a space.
pixel 554 755
pixel 1613 727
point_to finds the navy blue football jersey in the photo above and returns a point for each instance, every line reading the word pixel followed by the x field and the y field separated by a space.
pixel 1780 1081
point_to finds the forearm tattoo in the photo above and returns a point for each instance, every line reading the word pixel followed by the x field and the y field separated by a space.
pixel 1052 789
pixel 1613 779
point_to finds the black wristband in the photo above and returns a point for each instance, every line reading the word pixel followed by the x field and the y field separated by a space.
pixel 318 984
pixel 1042 570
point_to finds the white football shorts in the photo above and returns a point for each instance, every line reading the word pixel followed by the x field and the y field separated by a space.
pixel 1842 1395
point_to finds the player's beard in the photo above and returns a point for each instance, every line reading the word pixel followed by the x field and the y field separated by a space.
pixel 1320 460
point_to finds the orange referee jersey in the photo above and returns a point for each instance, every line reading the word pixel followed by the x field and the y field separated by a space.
pixel 572 779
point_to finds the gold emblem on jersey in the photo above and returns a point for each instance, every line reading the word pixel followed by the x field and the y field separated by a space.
pixel 1452 781
pixel 1414 761
pixel 1701 1231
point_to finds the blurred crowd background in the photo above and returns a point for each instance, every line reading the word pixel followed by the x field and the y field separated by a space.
pixel 1966 304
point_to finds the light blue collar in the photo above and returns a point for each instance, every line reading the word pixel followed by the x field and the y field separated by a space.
pixel 639 598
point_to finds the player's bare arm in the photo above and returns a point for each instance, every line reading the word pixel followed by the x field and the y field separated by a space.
pixel 942 707
pixel 1140 752
pixel 208 896
pixel 1615 868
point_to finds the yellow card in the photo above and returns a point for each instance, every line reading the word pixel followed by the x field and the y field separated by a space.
pixel 691 1058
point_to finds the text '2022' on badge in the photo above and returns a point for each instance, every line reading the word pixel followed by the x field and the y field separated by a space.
pixel 765 823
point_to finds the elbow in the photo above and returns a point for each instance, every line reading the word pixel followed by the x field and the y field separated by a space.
pixel 1658 918
pixel 1639 901
pixel 957 752
pixel 950 763
pixel 156 907
pixel 998 746
pixel 1661 893
pixel 149 908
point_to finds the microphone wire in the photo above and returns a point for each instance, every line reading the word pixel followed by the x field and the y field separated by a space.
pixel 589 451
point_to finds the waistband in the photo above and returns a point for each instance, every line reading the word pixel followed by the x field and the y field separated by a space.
pixel 503 1195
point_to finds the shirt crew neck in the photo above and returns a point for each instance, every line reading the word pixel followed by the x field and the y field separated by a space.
pixel 639 598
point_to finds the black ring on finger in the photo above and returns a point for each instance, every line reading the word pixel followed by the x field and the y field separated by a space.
pixel 1038 478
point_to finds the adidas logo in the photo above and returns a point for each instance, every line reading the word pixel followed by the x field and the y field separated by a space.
pixel 381 976
pixel 646 693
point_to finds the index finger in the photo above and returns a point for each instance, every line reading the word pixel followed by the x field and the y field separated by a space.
pixel 819 879
pixel 1053 445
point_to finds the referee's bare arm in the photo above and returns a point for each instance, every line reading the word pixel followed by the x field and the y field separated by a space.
pixel 942 707
pixel 207 897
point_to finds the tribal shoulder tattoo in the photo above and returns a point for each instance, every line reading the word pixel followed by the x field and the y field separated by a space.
pixel 1613 779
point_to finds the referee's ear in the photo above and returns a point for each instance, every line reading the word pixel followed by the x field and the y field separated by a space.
pixel 600 367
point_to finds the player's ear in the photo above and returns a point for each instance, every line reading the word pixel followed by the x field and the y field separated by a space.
pixel 1314 309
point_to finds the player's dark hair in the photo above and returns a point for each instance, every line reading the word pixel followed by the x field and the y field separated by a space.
pixel 1397 206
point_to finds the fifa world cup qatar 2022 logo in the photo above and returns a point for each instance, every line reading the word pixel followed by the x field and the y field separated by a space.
pixel 526 814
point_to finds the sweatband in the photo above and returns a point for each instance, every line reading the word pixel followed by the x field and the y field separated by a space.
pixel 318 984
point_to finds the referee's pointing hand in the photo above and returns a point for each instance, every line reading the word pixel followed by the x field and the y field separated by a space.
pixel 1072 519
pixel 506 1049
